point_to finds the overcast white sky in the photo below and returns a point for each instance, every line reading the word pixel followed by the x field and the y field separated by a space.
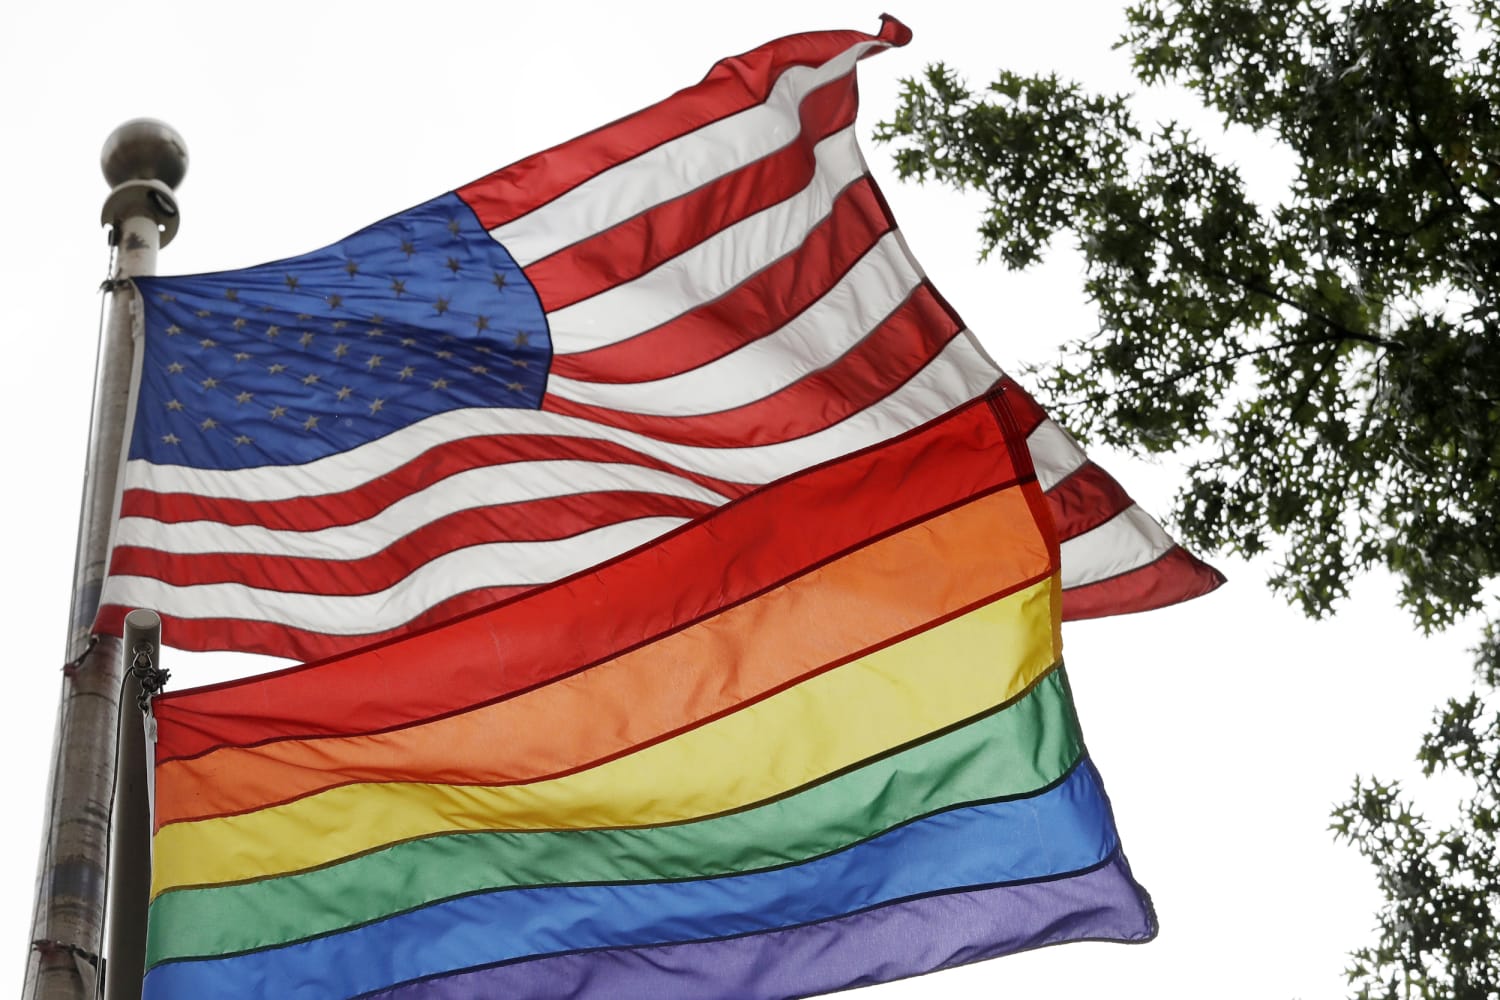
pixel 1224 728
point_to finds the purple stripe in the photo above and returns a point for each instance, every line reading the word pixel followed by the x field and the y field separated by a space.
pixel 875 946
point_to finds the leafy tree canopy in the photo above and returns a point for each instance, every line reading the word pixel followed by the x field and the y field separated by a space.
pixel 1330 363
pixel 1340 349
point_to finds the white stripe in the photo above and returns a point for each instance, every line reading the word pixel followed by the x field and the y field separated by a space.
pixel 1127 541
pixel 475 488
pixel 956 375
pixel 674 168
pixel 714 266
pixel 863 299
pixel 1054 453
pixel 447 576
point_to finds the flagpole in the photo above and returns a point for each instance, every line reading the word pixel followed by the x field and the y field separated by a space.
pixel 130 853
pixel 143 161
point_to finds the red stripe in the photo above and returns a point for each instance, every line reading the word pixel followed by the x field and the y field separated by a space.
pixel 762 304
pixel 660 586
pixel 1029 413
pixel 1085 499
pixel 533 521
pixel 1176 576
pixel 875 367
pixel 624 252
pixel 731 86
pixel 432 466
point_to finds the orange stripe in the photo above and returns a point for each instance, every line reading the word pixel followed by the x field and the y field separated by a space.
pixel 904 582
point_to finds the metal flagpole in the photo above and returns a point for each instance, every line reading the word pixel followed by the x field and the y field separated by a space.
pixel 143 162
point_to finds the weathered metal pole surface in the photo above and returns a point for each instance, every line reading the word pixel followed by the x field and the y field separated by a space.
pixel 143 162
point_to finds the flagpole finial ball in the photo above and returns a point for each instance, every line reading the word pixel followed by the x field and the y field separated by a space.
pixel 144 149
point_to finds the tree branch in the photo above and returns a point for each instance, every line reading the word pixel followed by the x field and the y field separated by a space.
pixel 1237 356
pixel 1265 289
pixel 1425 141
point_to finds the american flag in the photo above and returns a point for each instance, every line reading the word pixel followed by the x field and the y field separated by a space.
pixel 553 365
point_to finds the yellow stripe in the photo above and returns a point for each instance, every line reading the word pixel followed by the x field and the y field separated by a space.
pixel 826 723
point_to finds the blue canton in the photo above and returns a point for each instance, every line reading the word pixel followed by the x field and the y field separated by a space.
pixel 291 361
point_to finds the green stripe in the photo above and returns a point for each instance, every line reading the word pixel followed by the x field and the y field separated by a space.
pixel 1013 751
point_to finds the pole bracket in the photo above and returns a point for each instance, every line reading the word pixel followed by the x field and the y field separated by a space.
pixel 151 677
pixel 71 668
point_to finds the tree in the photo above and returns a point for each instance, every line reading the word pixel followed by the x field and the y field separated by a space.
pixel 1331 363
pixel 1437 935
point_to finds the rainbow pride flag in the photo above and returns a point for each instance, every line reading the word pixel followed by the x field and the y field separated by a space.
pixel 819 738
